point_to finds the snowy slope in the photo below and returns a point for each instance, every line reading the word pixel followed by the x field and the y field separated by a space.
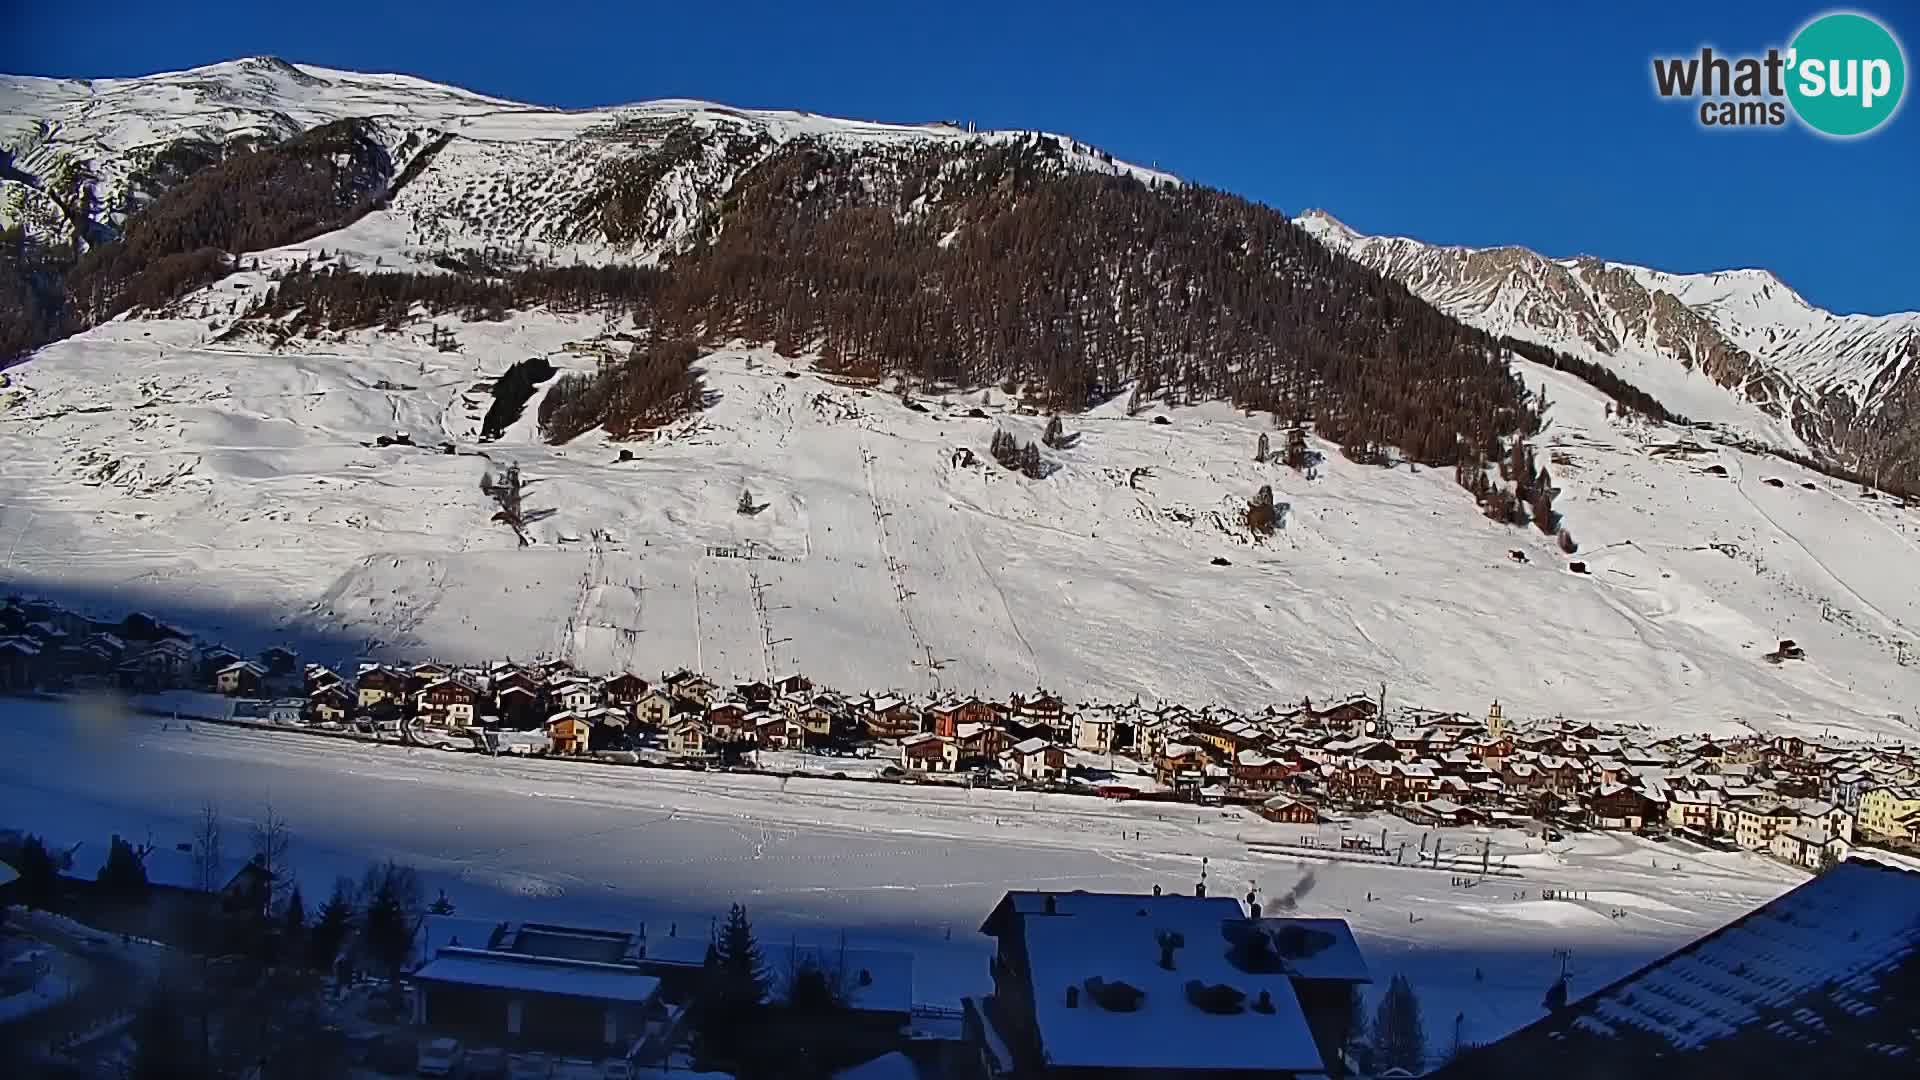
pixel 512 174
pixel 1737 347
pixel 222 475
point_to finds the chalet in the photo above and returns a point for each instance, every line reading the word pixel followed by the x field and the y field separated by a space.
pixel 687 686
pixel 929 753
pixel 794 684
pixel 419 676
pixel 507 676
pixel 609 729
pixel 318 677
pixel 239 679
pixel 329 704
pixel 519 707
pixel 654 708
pixel 1252 770
pixel 814 723
pixel 376 684
pixel 1688 809
pixel 1288 810
pixel 1808 847
pixel 573 693
pixel 279 661
pixel 1561 775
pixel 1753 823
pixel 538 985
pixel 687 738
pixel 450 702
pixel 215 657
pixel 981 742
pixel 727 722
pixel 1127 986
pixel 1355 714
pixel 623 690
pixel 755 693
pixel 890 718
pixel 773 731
pixel 556 669
pixel 1616 806
pixel 1180 765
pixel 569 732
pixel 1035 759
pixel 948 716
pixel 1042 709
pixel 20 664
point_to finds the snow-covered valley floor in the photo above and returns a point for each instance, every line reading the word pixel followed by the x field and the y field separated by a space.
pixel 915 868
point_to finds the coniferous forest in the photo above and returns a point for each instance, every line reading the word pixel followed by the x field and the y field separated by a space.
pixel 959 265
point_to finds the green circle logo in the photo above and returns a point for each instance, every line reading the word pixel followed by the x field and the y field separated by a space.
pixel 1846 74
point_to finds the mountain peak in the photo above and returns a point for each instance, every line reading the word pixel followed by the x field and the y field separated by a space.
pixel 1324 225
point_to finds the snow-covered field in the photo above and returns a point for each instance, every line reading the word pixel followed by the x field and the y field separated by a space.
pixel 237 487
pixel 908 867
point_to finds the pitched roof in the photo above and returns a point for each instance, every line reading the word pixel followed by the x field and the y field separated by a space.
pixel 1830 969
pixel 543 975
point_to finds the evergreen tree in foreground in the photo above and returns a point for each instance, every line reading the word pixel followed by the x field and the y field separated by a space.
pixel 1399 1038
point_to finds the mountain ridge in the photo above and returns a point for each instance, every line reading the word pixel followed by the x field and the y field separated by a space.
pixel 1841 386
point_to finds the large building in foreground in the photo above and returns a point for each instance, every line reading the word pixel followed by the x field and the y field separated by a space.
pixel 1133 987
pixel 1823 981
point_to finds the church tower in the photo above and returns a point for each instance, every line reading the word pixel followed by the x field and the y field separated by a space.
pixel 1496 724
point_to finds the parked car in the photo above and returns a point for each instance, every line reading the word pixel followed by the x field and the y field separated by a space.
pixel 439 1057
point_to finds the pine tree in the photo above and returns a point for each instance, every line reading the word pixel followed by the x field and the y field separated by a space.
pixel 330 929
pixel 125 872
pixel 1399 1038
pixel 746 502
pixel 742 971
pixel 1055 434
pixel 441 905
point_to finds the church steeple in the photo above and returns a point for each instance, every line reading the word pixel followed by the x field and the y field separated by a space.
pixel 1496 723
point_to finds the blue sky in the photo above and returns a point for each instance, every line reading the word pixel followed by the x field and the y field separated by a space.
pixel 1478 124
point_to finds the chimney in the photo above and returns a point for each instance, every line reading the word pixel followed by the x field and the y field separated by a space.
pixel 866 977
pixel 1200 889
pixel 1256 910
pixel 1073 997
pixel 1156 890
pixel 1265 1004
pixel 1050 904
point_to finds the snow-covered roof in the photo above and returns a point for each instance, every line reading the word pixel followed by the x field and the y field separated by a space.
pixel 1166 1029
pixel 1030 746
pixel 1831 941
pixel 539 975
pixel 1318 949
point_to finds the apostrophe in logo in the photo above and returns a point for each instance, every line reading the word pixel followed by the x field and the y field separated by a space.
pixel 1843 75
pixel 1847 74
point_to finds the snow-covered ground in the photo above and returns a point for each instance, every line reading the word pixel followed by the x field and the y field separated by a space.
pixel 908 867
pixel 237 487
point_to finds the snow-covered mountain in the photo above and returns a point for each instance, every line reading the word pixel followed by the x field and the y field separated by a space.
pixel 510 175
pixel 168 458
pixel 1736 347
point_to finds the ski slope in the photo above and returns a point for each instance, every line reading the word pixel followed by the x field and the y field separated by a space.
pixel 149 461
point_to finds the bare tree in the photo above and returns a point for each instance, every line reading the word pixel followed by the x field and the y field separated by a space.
pixel 271 840
pixel 208 857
